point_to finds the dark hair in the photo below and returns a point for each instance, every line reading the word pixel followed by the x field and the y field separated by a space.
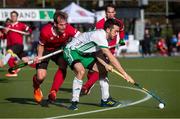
pixel 110 5
pixel 15 13
pixel 60 14
pixel 110 23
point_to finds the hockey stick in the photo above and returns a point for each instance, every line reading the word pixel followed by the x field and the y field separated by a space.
pixel 14 30
pixel 10 70
pixel 142 88
pixel 136 84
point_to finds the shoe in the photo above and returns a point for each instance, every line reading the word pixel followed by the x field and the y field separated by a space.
pixel 109 103
pixel 73 106
pixel 38 96
pixel 122 42
pixel 85 91
pixel 46 103
pixel 52 96
pixel 11 75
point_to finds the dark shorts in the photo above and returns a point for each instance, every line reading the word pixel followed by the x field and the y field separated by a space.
pixel 58 59
pixel 18 50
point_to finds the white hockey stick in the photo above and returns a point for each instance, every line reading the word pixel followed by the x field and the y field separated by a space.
pixel 32 61
pixel 14 30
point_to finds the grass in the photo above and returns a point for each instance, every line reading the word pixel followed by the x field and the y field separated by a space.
pixel 161 75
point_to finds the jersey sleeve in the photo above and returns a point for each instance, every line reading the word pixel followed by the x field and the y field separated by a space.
pixel 25 28
pixel 100 39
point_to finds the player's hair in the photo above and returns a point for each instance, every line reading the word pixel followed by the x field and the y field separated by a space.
pixel 110 23
pixel 110 5
pixel 60 14
pixel 14 12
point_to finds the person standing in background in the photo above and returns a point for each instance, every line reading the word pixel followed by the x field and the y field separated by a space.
pixel 14 42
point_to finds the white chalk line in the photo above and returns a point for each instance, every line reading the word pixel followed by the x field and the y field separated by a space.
pixel 147 97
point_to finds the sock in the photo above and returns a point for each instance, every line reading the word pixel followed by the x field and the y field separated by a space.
pixel 36 82
pixel 58 80
pixel 6 58
pixel 104 88
pixel 11 62
pixel 77 85
pixel 92 78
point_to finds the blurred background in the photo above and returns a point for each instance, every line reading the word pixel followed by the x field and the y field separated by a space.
pixel 159 19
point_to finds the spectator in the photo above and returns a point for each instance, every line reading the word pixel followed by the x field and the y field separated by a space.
pixel 157 30
pixel 162 48
pixel 146 43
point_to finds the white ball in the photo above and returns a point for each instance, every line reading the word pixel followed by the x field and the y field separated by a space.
pixel 161 105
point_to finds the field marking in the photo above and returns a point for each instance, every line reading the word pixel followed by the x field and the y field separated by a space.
pixel 138 70
pixel 147 97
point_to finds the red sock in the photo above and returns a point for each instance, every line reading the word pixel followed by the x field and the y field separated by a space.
pixel 36 82
pixel 92 78
pixel 11 62
pixel 58 80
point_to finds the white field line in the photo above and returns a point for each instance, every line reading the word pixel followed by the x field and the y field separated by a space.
pixel 147 97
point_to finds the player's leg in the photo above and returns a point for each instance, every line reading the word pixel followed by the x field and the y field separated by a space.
pixel 79 71
pixel 58 78
pixel 106 100
pixel 78 63
pixel 38 78
pixel 15 51
pixel 88 85
pixel 93 76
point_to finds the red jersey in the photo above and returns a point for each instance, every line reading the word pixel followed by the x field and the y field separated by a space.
pixel 161 44
pixel 52 41
pixel 113 42
pixel 14 37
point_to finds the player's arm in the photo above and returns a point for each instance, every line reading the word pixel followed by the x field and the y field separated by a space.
pixel 26 28
pixel 116 64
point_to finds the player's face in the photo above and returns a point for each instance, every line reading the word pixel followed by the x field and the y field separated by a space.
pixel 14 17
pixel 113 32
pixel 61 26
pixel 110 13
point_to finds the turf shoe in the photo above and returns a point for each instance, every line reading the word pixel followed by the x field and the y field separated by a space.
pixel 52 96
pixel 38 96
pixel 85 91
pixel 109 103
pixel 73 106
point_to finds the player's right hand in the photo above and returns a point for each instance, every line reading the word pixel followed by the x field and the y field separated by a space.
pixel 109 67
pixel 36 60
